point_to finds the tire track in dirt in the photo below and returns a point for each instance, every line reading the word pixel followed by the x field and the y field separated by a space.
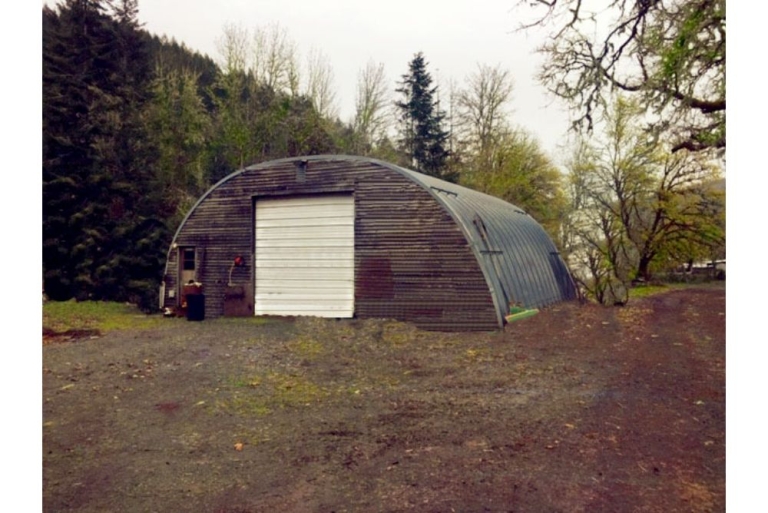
pixel 662 433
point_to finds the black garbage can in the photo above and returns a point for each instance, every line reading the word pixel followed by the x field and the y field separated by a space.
pixel 195 307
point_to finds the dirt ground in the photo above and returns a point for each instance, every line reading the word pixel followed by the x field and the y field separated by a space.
pixel 578 409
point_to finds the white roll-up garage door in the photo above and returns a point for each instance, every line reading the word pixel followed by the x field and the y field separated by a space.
pixel 305 256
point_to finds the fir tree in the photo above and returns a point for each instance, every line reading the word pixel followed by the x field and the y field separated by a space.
pixel 422 137
pixel 73 52
pixel 97 160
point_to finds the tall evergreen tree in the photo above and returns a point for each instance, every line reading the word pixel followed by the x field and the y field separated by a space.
pixel 96 157
pixel 72 52
pixel 422 136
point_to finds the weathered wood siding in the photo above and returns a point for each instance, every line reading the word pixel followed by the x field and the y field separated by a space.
pixel 412 261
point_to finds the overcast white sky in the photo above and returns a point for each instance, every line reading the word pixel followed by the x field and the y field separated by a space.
pixel 453 35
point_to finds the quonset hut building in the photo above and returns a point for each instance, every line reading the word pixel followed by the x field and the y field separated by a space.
pixel 342 237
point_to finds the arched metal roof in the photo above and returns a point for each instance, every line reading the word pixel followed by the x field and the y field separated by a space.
pixel 521 263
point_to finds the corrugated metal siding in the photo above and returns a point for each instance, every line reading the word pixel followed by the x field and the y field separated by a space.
pixel 412 261
pixel 305 256
pixel 519 258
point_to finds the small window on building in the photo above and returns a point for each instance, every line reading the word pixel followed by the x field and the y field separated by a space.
pixel 188 259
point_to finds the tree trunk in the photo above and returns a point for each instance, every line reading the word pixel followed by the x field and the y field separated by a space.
pixel 643 268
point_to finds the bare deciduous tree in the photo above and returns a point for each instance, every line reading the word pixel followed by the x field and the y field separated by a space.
pixel 319 84
pixel 482 106
pixel 275 58
pixel 372 113
pixel 233 46
pixel 293 75
pixel 668 53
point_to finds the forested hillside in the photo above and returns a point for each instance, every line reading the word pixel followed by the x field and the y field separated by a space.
pixel 135 128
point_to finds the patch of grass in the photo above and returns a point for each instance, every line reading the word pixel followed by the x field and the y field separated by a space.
pixel 640 291
pixel 398 334
pixel 295 390
pixel 473 355
pixel 244 405
pixel 63 316
pixel 272 391
pixel 306 347
pixel 247 382
pixel 254 435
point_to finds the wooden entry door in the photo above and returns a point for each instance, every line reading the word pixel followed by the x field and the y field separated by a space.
pixel 187 266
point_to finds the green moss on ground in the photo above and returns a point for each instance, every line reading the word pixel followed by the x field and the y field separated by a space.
pixel 65 316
